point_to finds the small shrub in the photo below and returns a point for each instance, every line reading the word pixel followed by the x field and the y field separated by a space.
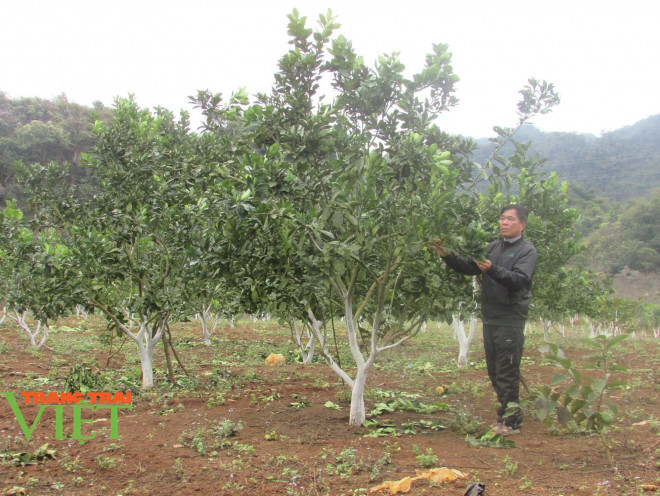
pixel 464 422
pixel 226 428
pixel 425 460
pixel 82 378
pixel 583 404
pixel 207 440
pixel 106 462
pixel 345 464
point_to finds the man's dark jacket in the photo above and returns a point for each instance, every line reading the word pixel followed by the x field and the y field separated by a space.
pixel 505 288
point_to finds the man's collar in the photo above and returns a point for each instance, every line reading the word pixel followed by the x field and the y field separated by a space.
pixel 512 240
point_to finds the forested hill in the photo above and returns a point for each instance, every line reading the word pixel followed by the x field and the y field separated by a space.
pixel 621 165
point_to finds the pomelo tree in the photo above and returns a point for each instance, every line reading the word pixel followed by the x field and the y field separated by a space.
pixel 351 192
pixel 139 231
pixel 39 277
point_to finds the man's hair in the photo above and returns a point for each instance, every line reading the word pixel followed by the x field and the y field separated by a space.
pixel 520 211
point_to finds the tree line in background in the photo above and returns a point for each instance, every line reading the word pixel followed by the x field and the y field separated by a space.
pixel 304 207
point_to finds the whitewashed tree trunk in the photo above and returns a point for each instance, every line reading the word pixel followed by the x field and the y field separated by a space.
pixel 547 324
pixel 80 311
pixel 146 344
pixel 464 340
pixel 42 328
pixel 145 339
pixel 306 350
pixel 363 366
pixel 358 412
pixel 209 321
pixel 315 328
pixel 4 314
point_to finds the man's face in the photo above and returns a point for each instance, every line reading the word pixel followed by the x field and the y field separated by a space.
pixel 510 225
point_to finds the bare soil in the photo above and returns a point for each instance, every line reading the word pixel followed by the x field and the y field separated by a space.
pixel 289 443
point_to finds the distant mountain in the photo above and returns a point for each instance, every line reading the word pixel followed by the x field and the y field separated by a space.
pixel 620 165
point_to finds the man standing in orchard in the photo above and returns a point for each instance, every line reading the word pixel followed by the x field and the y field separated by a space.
pixel 507 275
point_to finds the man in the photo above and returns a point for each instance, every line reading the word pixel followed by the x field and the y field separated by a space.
pixel 505 292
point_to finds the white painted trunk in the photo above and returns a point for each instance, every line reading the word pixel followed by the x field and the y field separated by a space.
pixel 147 359
pixel 209 322
pixel 42 329
pixel 315 328
pixel 146 344
pixel 80 311
pixel 306 350
pixel 358 412
pixel 547 324
pixel 464 340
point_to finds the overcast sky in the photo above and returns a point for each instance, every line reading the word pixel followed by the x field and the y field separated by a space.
pixel 603 56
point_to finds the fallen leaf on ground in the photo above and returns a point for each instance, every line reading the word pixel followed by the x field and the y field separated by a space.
pixel 442 474
pixel 275 359
pixel 401 486
pixel 649 487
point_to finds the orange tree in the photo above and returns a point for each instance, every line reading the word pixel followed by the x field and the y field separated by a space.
pixel 135 232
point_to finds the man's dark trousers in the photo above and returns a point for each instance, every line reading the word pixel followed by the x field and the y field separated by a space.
pixel 503 346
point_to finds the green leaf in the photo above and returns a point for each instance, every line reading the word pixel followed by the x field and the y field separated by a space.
pixel 558 379
pixel 599 385
pixel 615 340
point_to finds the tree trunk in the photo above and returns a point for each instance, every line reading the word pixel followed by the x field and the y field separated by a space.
pixel 547 324
pixel 147 342
pixel 146 359
pixel 358 413
pixel 315 328
pixel 464 341
pixel 306 350
pixel 207 317
pixel 168 361
pixel 20 320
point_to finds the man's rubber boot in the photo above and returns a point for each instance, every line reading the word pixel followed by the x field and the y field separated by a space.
pixel 476 489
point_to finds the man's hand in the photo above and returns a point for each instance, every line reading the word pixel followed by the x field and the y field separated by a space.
pixel 437 246
pixel 484 265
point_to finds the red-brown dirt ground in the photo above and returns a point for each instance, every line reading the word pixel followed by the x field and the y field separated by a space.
pixel 287 442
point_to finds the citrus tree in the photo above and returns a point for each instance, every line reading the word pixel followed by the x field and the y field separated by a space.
pixel 137 234
pixel 345 196
pixel 39 276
